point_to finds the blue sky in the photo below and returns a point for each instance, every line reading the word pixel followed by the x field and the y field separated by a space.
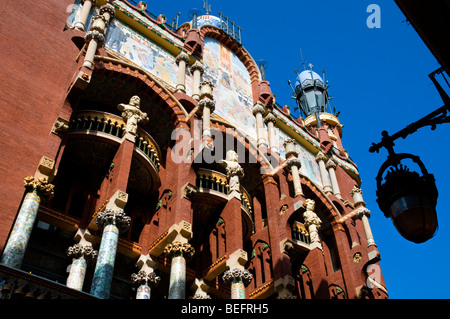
pixel 379 81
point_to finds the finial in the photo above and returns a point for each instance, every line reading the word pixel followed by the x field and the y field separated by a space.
pixel 310 66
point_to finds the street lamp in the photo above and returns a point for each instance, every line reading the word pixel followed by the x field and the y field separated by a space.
pixel 408 198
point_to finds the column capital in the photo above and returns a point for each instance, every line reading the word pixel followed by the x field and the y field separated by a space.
pixel 177 248
pixel 258 108
pixel 356 190
pixel 330 164
pixel 363 211
pixel 40 185
pixel 108 8
pixel 112 217
pixel 197 66
pixel 207 102
pixel 86 251
pixel 96 35
pixel 321 157
pixel 182 57
pixel 294 161
pixel 145 278
pixel 270 118
pixel 237 274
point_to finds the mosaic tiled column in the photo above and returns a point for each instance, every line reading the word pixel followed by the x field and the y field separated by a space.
pixel 112 223
pixel 144 281
pixel 17 243
pixel 238 279
pixel 177 282
pixel 81 256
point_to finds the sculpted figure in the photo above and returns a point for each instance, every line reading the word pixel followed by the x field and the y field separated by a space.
pixel 132 114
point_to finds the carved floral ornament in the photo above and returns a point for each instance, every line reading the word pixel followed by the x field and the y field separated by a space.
pixel 85 251
pixel 235 275
pixel 177 248
pixel 144 278
pixel 40 186
pixel 111 217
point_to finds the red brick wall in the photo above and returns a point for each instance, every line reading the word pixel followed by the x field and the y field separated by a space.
pixel 37 63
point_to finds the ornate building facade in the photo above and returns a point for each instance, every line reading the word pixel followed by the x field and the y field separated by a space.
pixel 157 164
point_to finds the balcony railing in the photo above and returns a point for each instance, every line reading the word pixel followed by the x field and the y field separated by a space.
pixel 114 125
pixel 300 233
pixel 217 181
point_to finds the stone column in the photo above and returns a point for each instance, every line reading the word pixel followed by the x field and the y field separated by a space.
pixel 182 61
pixel 82 254
pixel 95 37
pixel 357 196
pixel 177 282
pixel 144 280
pixel 197 70
pixel 364 214
pixel 205 107
pixel 132 115
pixel 313 223
pixel 113 223
pixel 85 10
pixel 238 279
pixel 293 165
pixel 270 121
pixel 331 167
pixel 258 111
pixel 38 189
pixel 321 159
pixel 234 173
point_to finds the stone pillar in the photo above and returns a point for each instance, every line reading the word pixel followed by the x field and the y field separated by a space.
pixel 206 106
pixel 313 223
pixel 234 173
pixel 132 115
pixel 293 165
pixel 270 121
pixel 144 281
pixel 321 159
pixel 82 254
pixel 331 167
pixel 364 214
pixel 177 282
pixel 95 37
pixel 258 111
pixel 38 189
pixel 182 61
pixel 197 71
pixel 238 279
pixel 113 223
pixel 80 24
pixel 357 196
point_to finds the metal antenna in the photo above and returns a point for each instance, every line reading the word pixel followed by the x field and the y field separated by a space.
pixel 303 61
pixel 207 7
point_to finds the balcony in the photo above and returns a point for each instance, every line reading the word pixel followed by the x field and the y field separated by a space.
pixel 112 127
pixel 216 184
